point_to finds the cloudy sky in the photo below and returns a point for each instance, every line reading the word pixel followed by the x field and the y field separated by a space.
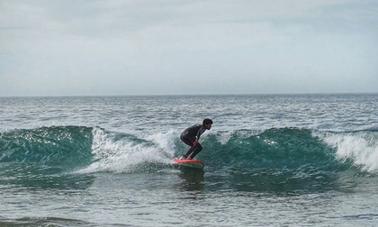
pixel 148 47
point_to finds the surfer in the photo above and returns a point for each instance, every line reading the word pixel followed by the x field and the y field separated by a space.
pixel 191 135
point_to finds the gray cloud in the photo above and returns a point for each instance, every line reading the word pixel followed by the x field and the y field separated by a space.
pixel 99 47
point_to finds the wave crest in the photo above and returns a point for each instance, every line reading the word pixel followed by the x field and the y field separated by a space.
pixel 283 149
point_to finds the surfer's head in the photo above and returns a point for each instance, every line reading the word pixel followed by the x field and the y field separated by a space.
pixel 207 123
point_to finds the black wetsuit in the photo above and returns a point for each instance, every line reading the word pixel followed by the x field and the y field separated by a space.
pixel 189 135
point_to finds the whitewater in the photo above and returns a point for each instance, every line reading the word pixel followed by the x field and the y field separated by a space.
pixel 269 160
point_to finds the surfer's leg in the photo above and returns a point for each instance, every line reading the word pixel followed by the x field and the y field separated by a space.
pixel 189 152
pixel 196 149
pixel 188 141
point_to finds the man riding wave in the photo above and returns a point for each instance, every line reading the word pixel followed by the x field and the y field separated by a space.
pixel 191 135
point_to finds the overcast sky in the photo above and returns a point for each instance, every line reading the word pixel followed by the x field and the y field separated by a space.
pixel 121 47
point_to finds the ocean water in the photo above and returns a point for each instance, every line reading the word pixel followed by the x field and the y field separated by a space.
pixel 270 160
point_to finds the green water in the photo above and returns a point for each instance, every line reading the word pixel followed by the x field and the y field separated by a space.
pixel 269 160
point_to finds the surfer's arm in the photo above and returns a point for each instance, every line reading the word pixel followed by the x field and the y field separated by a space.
pixel 199 133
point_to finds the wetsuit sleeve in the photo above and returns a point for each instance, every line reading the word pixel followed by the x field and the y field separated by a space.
pixel 199 133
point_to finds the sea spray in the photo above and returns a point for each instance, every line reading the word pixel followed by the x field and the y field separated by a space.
pixel 360 147
pixel 121 152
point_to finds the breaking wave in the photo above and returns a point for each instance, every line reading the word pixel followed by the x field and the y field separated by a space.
pixel 277 158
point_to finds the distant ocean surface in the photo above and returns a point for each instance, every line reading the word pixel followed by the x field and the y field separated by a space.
pixel 270 160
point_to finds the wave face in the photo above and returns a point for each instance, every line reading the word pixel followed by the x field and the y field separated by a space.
pixel 41 157
pixel 66 146
pixel 277 159
pixel 274 149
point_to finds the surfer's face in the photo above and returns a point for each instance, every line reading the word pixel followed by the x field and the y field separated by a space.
pixel 208 126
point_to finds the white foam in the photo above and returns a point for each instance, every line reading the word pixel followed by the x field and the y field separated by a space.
pixel 362 148
pixel 124 155
pixel 165 141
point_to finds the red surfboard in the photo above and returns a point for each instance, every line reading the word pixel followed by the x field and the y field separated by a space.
pixel 197 164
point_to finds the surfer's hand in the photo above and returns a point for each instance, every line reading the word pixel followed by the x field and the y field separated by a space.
pixel 195 142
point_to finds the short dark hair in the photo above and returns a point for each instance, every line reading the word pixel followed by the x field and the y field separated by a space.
pixel 207 121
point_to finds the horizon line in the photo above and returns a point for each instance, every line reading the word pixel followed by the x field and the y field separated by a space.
pixel 204 94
